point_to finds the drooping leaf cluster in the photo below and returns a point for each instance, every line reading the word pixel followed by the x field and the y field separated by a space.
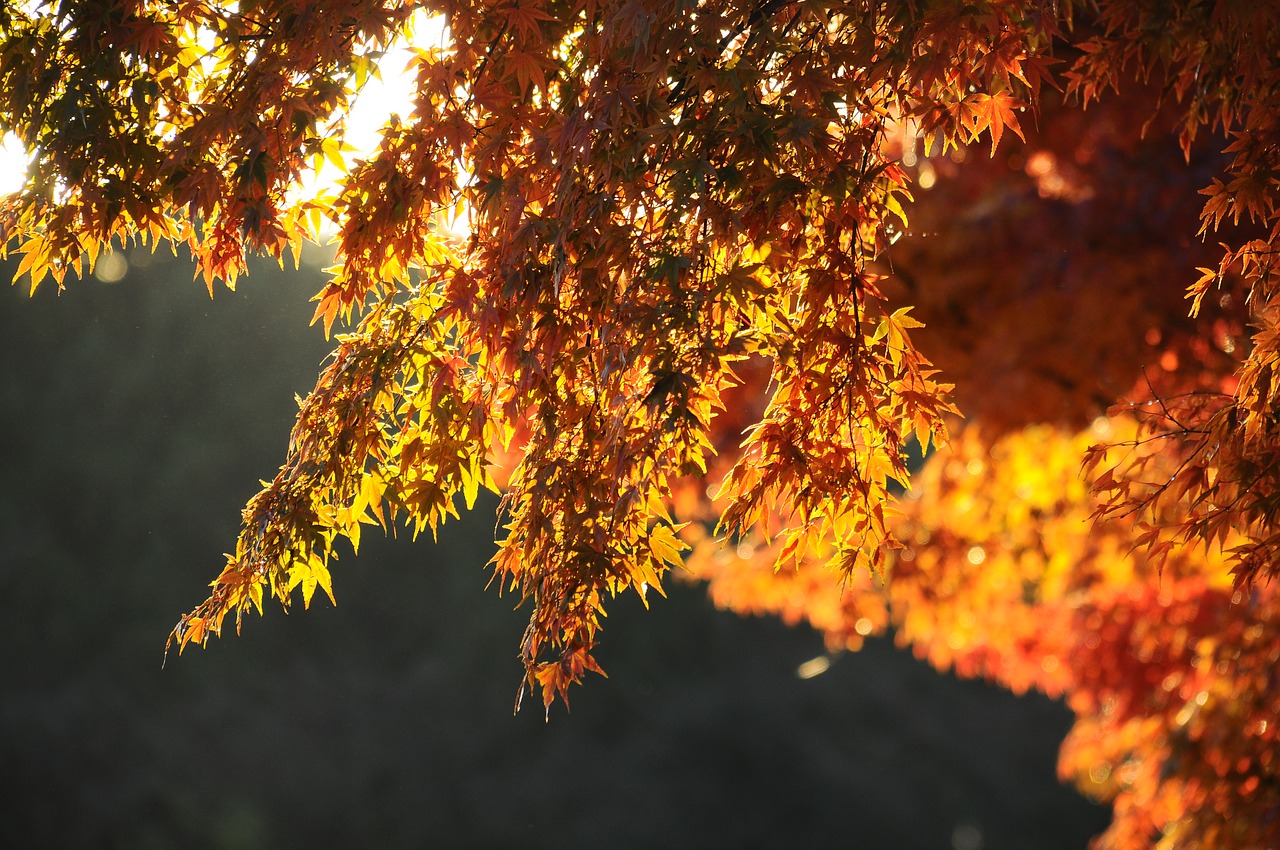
pixel 699 243
pixel 1074 351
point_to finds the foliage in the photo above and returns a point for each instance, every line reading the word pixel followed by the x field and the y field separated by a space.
pixel 688 222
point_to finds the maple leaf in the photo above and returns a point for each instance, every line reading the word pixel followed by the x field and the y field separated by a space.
pixel 309 575
pixel 528 69
pixel 993 113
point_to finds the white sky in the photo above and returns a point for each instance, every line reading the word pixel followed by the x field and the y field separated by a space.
pixel 13 164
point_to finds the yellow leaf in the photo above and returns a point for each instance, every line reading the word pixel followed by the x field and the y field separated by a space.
pixel 308 574
pixel 665 545
pixel 470 485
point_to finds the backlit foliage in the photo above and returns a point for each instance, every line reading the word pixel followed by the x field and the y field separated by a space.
pixel 728 269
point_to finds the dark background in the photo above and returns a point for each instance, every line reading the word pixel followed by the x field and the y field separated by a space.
pixel 138 418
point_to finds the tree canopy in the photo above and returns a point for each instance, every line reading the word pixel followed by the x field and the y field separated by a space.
pixel 710 286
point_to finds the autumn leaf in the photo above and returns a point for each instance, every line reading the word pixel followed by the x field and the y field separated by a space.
pixel 309 575
pixel 992 113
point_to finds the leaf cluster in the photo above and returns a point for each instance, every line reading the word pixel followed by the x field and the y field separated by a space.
pixel 687 315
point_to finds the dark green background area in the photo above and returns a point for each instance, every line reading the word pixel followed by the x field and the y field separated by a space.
pixel 138 418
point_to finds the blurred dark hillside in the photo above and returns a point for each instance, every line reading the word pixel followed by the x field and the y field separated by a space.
pixel 138 417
